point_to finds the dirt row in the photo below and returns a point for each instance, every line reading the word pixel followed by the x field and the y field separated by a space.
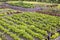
pixel 50 13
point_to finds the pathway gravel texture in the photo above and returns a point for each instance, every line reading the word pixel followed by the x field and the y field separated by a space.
pixel 21 8
pixel 58 38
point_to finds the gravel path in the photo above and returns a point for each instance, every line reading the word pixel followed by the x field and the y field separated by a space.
pixel 21 8
pixel 58 38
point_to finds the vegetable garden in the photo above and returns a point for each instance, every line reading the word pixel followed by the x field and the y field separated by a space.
pixel 24 25
pixel 29 25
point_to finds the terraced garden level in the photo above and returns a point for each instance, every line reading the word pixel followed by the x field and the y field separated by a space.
pixel 30 26
pixel 7 11
pixel 22 4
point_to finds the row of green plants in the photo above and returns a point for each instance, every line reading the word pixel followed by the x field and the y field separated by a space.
pixel 55 36
pixel 2 36
pixel 22 27
pixel 49 28
pixel 51 8
pixel 22 4
pixel 9 12
pixel 29 25
pixel 49 1
pixel 6 31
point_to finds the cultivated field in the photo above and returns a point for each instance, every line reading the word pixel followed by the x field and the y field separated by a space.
pixel 29 21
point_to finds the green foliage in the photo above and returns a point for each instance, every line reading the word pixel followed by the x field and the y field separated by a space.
pixel 55 35
pixel 50 1
pixel 25 5
pixel 29 25
pixel 0 39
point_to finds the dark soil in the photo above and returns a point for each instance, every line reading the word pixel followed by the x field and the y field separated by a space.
pixel 50 13
pixel 8 37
